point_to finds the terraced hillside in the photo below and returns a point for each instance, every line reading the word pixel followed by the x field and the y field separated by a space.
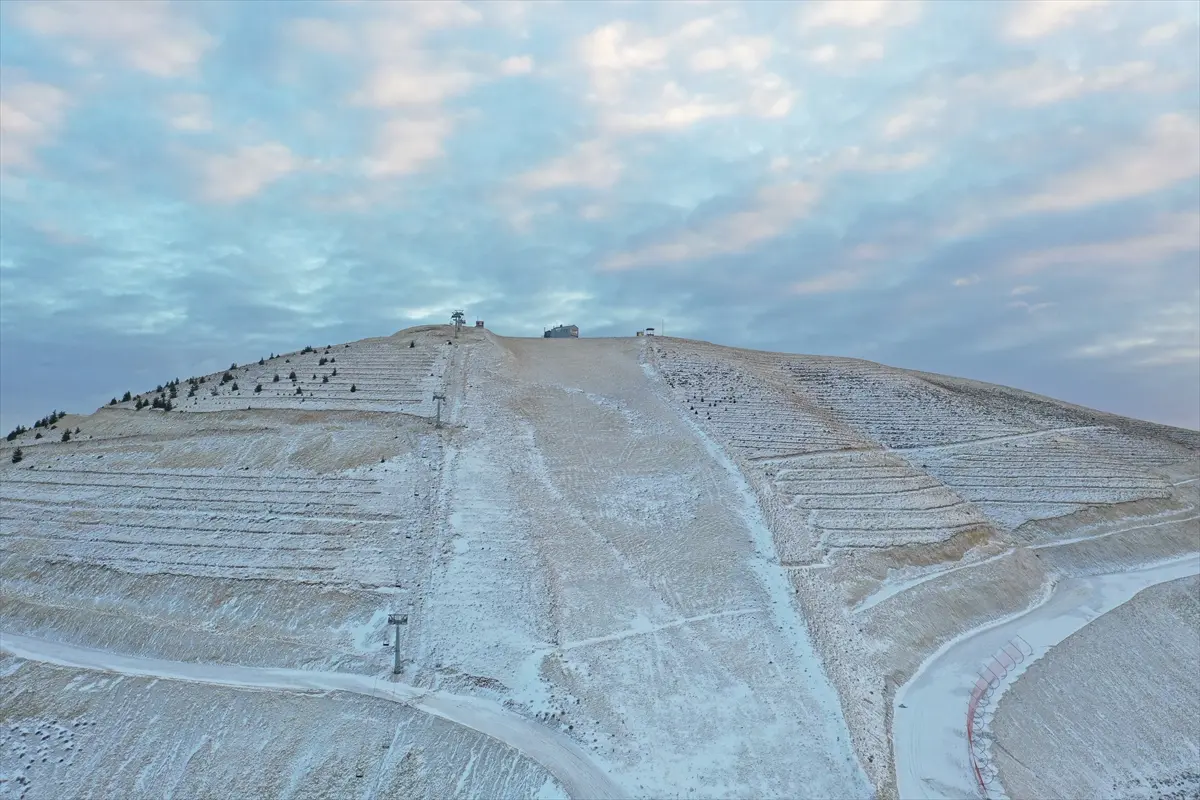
pixel 624 567
pixel 911 507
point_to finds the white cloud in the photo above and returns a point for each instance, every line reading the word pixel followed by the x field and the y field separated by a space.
pixel 859 14
pixel 637 84
pixel 411 82
pixel 1161 33
pixel 189 112
pixel 593 211
pixel 855 159
pixel 1046 82
pixel 830 55
pixel 612 49
pixel 868 51
pixel 1032 19
pixel 824 54
pixel 830 282
pixel 1176 233
pixel 149 35
pixel 1168 153
pixel 591 164
pixel 1020 290
pixel 402 74
pixel 244 173
pixel 1031 308
pixel 516 65
pixel 747 53
pixel 1169 337
pixel 30 116
pixel 321 35
pixel 970 280
pixel 921 113
pixel 775 209
pixel 405 145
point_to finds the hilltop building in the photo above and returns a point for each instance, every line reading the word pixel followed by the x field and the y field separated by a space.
pixel 562 332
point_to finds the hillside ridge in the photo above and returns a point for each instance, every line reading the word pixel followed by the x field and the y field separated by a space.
pixel 708 568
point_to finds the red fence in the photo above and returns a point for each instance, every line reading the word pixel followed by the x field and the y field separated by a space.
pixel 1013 652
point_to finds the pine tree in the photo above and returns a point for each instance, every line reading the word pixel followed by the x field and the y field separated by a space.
pixel 17 456
pixel 66 437
pixel 258 389
pixel 276 378
pixel 128 396
pixel 353 388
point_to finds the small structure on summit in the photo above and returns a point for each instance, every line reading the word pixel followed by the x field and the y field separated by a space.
pixel 478 323
pixel 562 332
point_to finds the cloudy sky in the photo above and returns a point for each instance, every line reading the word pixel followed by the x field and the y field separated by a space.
pixel 1009 192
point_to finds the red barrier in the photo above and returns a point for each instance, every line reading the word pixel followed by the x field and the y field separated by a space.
pixel 1014 651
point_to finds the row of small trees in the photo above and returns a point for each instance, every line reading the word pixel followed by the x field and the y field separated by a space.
pixel 171 388
pixel 47 421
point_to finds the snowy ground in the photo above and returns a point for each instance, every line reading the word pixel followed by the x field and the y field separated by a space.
pixel 930 710
pixel 706 570
pixel 83 733
pixel 557 753
pixel 1076 726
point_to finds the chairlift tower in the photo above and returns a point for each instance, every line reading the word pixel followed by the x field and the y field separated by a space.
pixel 397 620
pixel 440 398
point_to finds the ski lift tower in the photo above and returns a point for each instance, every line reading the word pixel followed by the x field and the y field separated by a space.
pixel 440 398
pixel 397 620
pixel 458 317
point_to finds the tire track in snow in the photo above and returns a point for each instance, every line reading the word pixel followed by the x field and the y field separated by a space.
pixel 565 760
pixel 642 631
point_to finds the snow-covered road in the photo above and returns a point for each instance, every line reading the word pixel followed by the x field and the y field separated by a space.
pixel 581 777
pixel 929 729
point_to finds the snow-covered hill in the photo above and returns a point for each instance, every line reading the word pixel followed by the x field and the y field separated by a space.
pixel 642 567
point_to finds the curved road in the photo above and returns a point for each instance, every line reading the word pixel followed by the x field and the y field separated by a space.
pixel 929 733
pixel 573 768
